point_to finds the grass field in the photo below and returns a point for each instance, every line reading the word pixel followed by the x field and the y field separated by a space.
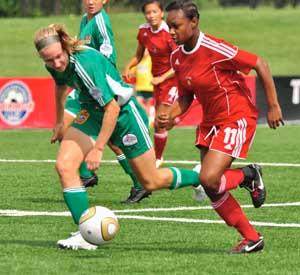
pixel 163 245
pixel 273 34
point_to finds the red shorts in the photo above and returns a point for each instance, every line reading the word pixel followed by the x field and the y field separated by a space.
pixel 232 138
pixel 166 92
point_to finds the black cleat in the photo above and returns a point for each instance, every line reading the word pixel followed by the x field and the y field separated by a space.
pixel 248 246
pixel 254 184
pixel 136 195
pixel 90 181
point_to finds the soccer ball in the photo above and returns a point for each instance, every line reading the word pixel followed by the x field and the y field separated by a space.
pixel 98 225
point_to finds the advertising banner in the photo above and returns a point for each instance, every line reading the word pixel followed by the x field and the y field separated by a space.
pixel 30 103
pixel 288 90
pixel 27 103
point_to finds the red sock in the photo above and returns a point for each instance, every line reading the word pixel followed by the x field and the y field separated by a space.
pixel 230 180
pixel 160 141
pixel 231 212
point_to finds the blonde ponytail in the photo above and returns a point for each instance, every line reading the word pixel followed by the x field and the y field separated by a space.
pixel 56 33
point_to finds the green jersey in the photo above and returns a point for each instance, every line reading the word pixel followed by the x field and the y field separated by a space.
pixel 95 77
pixel 98 34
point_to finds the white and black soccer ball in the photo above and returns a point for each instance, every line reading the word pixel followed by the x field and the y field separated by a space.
pixel 98 225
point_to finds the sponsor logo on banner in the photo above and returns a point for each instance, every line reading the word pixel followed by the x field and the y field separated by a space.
pixel 295 83
pixel 129 140
pixel 15 102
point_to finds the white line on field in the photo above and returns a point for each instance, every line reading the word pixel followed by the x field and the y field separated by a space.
pixel 274 164
pixel 18 213
pixel 21 213
pixel 184 220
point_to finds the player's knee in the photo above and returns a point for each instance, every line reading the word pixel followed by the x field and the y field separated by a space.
pixel 63 167
pixel 210 182
pixel 152 183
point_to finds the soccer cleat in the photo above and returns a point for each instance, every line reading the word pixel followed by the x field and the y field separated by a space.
pixel 136 195
pixel 254 184
pixel 248 246
pixel 75 242
pixel 199 193
pixel 197 168
pixel 159 162
pixel 90 181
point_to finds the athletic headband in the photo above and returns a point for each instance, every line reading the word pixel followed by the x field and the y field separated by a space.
pixel 47 41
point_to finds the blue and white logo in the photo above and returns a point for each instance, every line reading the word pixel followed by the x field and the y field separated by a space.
pixel 15 102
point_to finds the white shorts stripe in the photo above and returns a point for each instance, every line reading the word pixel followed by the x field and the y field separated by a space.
pixel 142 125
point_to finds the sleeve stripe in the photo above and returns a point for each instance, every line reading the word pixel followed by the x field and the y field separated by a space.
pixel 87 81
pixel 102 28
pixel 219 47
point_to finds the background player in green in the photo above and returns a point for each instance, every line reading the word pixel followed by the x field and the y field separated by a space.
pixel 96 31
pixel 108 112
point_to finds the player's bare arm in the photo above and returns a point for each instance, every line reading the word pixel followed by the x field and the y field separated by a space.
pixel 134 61
pixel 179 107
pixel 60 99
pixel 161 78
pixel 274 115
pixel 93 158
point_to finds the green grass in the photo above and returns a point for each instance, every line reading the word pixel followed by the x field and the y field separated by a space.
pixel 27 244
pixel 273 34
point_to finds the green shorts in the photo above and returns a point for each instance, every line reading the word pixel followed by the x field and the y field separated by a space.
pixel 131 133
pixel 72 105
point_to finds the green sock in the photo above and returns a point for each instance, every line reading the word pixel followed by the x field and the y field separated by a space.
pixel 183 178
pixel 77 201
pixel 123 161
pixel 84 171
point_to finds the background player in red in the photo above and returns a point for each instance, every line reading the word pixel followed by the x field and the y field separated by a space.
pixel 210 69
pixel 154 36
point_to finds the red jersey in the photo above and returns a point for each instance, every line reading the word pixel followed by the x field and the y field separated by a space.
pixel 159 44
pixel 212 72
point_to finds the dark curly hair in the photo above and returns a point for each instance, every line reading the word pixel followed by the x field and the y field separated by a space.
pixel 188 7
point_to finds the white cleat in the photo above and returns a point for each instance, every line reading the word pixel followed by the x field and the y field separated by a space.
pixel 75 242
pixel 199 194
pixel 159 162
pixel 197 168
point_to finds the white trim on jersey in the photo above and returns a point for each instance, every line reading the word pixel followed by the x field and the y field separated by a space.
pixel 199 43
pixel 163 26
pixel 144 26
pixel 221 87
pixel 102 28
pixel 70 113
pixel 124 93
pixel 88 82
pixel 221 48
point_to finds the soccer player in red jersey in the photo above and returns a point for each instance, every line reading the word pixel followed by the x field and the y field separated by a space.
pixel 154 36
pixel 211 70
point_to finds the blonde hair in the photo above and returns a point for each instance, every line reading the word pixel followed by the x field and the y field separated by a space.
pixel 56 33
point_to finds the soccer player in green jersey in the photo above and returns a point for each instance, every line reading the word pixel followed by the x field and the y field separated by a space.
pixel 108 112
pixel 96 32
